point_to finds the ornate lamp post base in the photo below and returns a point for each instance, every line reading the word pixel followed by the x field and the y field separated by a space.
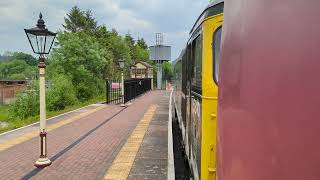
pixel 42 162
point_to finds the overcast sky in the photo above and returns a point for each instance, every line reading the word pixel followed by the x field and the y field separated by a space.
pixel 142 18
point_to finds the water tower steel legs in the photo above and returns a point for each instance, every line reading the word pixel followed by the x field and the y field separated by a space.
pixel 159 76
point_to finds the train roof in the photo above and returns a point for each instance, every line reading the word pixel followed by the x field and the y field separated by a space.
pixel 211 10
pixel 179 57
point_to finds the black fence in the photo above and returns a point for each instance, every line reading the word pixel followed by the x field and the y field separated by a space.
pixel 135 87
pixel 113 92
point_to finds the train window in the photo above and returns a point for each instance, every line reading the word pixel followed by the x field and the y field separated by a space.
pixel 197 62
pixel 216 52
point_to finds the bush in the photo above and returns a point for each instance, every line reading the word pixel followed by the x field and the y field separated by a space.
pixel 88 90
pixel 84 91
pixel 26 103
pixel 61 94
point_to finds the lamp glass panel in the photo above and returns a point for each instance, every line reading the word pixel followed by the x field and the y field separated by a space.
pixel 41 41
pixel 48 43
pixel 33 42
pixel 121 63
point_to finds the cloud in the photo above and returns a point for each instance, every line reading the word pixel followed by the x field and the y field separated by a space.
pixel 142 18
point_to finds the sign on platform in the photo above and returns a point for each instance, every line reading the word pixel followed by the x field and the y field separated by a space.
pixel 115 85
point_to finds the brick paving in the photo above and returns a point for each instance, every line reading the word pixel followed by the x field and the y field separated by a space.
pixel 35 127
pixel 83 149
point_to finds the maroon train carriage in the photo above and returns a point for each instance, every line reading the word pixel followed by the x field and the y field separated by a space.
pixel 269 91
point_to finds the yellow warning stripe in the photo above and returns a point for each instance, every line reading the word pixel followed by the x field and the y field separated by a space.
pixel 32 134
pixel 122 164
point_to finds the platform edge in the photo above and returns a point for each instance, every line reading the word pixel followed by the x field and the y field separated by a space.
pixel 171 171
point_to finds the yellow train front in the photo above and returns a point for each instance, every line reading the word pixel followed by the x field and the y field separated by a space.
pixel 196 91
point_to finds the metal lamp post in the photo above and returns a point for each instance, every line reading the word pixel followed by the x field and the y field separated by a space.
pixel 121 65
pixel 41 41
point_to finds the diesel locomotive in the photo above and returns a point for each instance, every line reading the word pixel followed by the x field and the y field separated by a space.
pixel 246 91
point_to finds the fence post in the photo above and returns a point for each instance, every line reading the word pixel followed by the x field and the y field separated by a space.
pixel 107 91
pixel 122 91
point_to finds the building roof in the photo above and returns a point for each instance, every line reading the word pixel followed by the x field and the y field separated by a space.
pixel 144 63
pixel 21 80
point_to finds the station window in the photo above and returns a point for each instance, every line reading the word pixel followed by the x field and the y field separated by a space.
pixel 216 53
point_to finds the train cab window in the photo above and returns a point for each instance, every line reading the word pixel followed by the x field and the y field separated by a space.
pixel 216 53
pixel 197 62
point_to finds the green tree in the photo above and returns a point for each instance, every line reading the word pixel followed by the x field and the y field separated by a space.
pixel 86 54
pixel 140 54
pixel 57 97
pixel 90 22
pixel 131 43
pixel 142 43
pixel 84 60
pixel 129 39
pixel 78 20
pixel 138 49
pixel 29 59
pixel 168 70
pixel 16 69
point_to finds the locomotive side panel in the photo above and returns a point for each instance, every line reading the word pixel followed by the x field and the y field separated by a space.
pixel 178 94
pixel 268 125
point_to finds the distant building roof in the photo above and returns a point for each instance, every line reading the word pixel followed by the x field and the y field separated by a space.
pixel 144 63
pixel 8 82
pixel 19 80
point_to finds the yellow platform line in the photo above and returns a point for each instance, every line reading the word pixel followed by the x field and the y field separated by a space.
pixel 122 164
pixel 25 137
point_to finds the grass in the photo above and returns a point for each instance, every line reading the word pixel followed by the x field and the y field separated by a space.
pixel 17 123
pixel 4 113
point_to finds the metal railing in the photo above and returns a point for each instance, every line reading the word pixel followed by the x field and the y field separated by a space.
pixel 136 87
pixel 113 91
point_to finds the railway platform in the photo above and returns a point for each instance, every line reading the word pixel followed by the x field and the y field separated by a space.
pixel 95 142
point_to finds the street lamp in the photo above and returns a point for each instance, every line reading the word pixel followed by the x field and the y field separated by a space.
pixel 121 65
pixel 41 41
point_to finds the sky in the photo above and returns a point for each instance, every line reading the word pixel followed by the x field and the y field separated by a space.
pixel 140 18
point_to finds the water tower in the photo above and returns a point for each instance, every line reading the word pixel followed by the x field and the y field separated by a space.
pixel 160 53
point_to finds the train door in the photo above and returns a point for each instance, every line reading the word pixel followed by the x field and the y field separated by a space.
pixel 211 59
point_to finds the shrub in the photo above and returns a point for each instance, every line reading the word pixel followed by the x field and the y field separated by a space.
pixel 26 103
pixel 61 94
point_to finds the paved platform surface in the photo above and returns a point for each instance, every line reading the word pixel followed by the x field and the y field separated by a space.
pixel 152 158
pixel 84 144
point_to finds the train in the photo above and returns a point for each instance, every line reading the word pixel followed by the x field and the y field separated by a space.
pixel 246 91
pixel 196 91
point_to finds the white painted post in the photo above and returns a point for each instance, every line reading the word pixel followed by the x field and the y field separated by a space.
pixel 122 90
pixel 152 83
pixel 166 84
pixel 170 170
pixel 42 99
pixel 43 160
pixel 159 75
